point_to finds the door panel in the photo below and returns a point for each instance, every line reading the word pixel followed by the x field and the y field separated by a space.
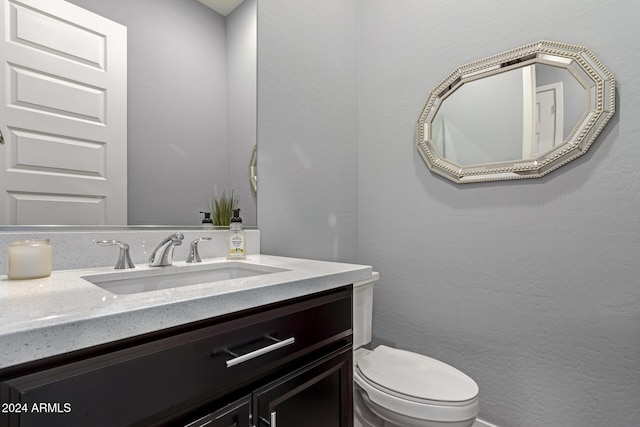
pixel 549 117
pixel 319 395
pixel 37 151
pixel 37 92
pixel 29 207
pixel 56 36
pixel 63 115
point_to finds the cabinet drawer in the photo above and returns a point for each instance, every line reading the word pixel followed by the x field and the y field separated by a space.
pixel 146 383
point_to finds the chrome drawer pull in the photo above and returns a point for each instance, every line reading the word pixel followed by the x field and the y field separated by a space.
pixel 260 351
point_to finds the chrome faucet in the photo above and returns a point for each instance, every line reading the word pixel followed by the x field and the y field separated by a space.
pixel 163 254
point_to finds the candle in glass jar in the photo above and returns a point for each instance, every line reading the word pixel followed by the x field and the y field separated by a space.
pixel 29 259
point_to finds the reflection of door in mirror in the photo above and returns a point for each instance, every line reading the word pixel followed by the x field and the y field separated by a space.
pixel 63 115
pixel 570 102
pixel 549 118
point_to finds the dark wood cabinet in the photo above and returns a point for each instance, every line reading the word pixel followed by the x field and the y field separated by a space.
pixel 236 414
pixel 315 395
pixel 225 371
pixel 318 395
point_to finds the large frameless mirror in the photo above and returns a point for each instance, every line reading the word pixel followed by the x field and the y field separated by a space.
pixel 519 114
pixel 184 128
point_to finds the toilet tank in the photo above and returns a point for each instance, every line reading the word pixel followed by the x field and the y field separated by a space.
pixel 363 310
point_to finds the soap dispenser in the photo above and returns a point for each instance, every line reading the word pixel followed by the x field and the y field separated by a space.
pixel 207 217
pixel 237 237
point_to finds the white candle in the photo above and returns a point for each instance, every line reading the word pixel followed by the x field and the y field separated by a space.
pixel 29 259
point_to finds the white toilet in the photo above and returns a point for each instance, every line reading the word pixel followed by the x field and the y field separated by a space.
pixel 397 388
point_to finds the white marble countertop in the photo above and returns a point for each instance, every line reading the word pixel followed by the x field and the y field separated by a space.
pixel 63 312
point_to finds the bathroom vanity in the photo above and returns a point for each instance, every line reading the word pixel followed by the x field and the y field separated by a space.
pixel 267 350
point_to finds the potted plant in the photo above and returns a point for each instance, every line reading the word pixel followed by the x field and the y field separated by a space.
pixel 222 208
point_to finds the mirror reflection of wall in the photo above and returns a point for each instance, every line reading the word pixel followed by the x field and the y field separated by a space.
pixel 482 119
pixel 191 106
pixel 500 117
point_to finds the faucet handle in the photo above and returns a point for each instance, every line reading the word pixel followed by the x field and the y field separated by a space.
pixel 124 258
pixel 194 255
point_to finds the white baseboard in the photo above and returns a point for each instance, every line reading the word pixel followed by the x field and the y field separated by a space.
pixel 480 423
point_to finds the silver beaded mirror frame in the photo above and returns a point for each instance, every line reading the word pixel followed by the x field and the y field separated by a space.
pixel 253 170
pixel 582 65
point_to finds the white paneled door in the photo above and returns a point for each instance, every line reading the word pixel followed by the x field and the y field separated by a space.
pixel 549 117
pixel 63 115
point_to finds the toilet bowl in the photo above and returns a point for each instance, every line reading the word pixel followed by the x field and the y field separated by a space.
pixel 398 388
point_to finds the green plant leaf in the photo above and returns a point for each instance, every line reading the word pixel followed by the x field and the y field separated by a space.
pixel 222 208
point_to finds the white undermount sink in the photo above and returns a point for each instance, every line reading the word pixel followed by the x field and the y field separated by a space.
pixel 133 282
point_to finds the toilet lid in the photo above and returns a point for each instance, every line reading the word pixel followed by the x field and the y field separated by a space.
pixel 416 375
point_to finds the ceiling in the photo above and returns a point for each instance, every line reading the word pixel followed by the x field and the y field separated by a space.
pixel 223 7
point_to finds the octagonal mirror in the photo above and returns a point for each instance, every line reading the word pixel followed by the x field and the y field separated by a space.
pixel 519 114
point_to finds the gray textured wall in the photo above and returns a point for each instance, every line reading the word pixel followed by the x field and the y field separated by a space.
pixel 529 287
pixel 308 128
pixel 532 288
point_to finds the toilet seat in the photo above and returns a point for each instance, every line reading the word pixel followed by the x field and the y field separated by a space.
pixel 416 385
